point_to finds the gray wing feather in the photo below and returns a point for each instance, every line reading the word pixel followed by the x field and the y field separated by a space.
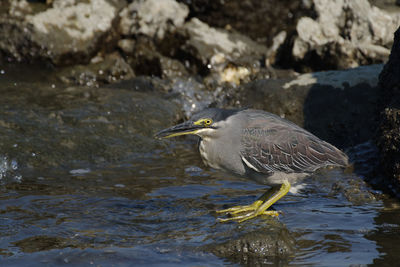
pixel 271 144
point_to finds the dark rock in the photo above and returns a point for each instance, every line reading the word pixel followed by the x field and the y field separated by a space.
pixel 388 138
pixel 144 58
pixel 110 69
pixel 269 244
pixel 259 20
pixel 191 94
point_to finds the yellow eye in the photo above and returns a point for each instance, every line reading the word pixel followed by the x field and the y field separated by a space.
pixel 207 122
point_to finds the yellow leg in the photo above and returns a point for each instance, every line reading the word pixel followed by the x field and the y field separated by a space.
pixel 259 207
pixel 264 197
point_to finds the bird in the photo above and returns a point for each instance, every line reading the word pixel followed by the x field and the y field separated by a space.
pixel 258 145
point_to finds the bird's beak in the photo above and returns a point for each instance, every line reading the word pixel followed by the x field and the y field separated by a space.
pixel 180 129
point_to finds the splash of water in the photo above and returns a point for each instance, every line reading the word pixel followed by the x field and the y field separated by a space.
pixel 8 169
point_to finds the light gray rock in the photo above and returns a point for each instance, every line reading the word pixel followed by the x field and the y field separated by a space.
pixel 70 31
pixel 231 57
pixel 152 17
pixel 346 33
pixel 212 43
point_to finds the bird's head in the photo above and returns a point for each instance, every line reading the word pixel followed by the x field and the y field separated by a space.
pixel 205 123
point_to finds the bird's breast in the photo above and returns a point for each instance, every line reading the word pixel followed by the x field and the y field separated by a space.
pixel 207 154
pixel 217 156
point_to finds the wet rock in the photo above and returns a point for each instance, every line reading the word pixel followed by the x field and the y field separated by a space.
pixel 68 32
pixel 332 104
pixel 344 34
pixel 152 18
pixel 110 69
pixel 354 189
pixel 269 244
pixel 388 137
pixel 187 93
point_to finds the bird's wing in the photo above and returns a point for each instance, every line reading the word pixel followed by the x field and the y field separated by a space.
pixel 285 147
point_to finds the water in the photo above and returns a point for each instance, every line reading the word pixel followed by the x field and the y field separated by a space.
pixel 83 182
pixel 159 211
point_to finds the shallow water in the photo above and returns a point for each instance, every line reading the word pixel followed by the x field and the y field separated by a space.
pixel 106 194
pixel 160 211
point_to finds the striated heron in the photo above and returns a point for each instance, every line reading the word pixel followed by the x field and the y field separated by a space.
pixel 258 145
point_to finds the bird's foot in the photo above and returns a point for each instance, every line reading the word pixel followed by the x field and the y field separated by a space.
pixel 259 207
pixel 244 213
pixel 239 209
pixel 249 215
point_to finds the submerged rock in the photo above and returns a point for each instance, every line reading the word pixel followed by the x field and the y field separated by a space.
pixel 270 243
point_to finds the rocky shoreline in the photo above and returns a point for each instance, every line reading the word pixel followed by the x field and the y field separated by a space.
pixel 320 64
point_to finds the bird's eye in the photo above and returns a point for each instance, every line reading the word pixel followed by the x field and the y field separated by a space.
pixel 207 122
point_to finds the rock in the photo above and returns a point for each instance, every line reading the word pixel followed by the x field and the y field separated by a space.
pixel 232 56
pixel 388 137
pixel 172 68
pixel 332 104
pixel 152 17
pixel 110 69
pixel 19 8
pixel 192 95
pixel 210 42
pixel 345 34
pixel 259 20
pixel 268 244
pixel 69 32
pixel 145 59
pixel 142 56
